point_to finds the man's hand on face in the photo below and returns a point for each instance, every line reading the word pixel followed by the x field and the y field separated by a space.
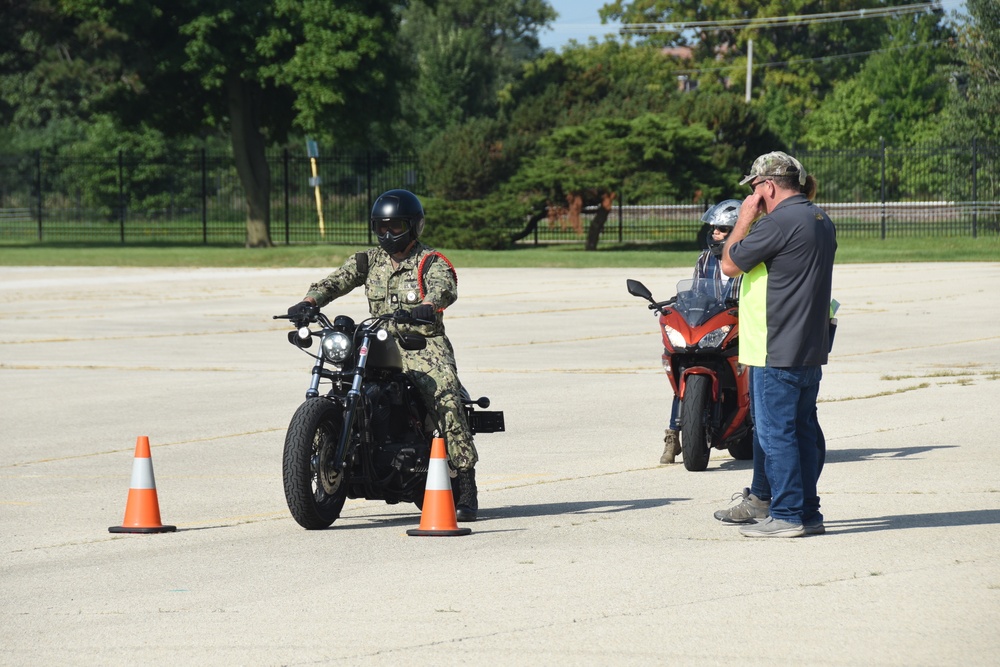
pixel 752 208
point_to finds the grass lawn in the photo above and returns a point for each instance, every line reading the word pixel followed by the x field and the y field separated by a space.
pixel 850 251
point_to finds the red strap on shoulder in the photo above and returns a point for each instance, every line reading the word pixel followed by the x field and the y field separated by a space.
pixel 423 266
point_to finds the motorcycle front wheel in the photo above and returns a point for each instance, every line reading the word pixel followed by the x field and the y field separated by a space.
pixel 695 408
pixel 311 438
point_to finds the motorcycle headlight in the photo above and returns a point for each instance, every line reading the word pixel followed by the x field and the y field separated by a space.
pixel 674 336
pixel 336 347
pixel 715 338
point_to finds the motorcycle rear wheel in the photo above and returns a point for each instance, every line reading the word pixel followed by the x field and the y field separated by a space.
pixel 695 408
pixel 312 435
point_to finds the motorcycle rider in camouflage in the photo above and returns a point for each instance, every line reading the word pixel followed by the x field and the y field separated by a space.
pixel 403 273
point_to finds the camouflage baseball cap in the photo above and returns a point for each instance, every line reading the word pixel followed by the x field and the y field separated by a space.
pixel 774 164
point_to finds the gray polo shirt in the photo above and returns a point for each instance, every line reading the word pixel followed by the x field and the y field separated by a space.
pixel 785 297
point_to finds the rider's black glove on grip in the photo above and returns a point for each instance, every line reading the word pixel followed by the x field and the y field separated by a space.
pixel 301 312
pixel 424 312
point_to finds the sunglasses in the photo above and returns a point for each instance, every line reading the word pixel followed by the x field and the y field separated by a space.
pixel 722 228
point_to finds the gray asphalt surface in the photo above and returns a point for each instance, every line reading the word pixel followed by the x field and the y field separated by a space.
pixel 587 552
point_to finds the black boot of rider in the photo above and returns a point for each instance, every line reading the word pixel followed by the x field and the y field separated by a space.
pixel 467 503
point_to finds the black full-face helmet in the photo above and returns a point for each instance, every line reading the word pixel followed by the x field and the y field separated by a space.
pixel 397 218
pixel 722 215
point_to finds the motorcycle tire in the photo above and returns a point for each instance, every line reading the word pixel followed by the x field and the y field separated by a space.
pixel 695 408
pixel 315 425
pixel 742 449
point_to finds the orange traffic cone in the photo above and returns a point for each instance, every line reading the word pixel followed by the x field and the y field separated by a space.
pixel 438 518
pixel 142 510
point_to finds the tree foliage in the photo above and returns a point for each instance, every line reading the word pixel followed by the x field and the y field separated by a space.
pixel 896 90
pixel 256 69
pixel 462 53
pixel 505 130
pixel 794 65
pixel 973 111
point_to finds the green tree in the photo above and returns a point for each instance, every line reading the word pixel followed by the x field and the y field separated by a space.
pixel 973 109
pixel 51 72
pixel 794 65
pixel 511 168
pixel 590 164
pixel 463 52
pixel 258 68
pixel 897 89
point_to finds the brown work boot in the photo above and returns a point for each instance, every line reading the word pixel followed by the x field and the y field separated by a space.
pixel 671 446
pixel 467 501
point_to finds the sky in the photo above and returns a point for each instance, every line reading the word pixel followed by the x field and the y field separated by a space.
pixel 578 19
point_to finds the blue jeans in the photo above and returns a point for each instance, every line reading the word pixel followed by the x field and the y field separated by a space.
pixel 789 447
pixel 759 486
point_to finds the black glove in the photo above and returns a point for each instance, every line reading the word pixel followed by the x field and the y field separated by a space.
pixel 301 312
pixel 424 312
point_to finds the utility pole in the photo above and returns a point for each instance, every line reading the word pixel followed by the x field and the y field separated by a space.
pixel 749 68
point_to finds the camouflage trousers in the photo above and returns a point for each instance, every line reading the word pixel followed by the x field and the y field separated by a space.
pixel 435 375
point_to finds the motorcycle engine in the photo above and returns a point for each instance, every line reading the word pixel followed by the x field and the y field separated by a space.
pixel 399 444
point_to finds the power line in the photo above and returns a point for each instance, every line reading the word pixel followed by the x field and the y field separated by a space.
pixel 700 70
pixel 780 21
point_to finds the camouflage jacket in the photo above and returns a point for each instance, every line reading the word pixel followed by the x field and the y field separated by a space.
pixel 389 289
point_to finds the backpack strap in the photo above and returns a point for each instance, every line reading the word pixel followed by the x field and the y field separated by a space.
pixel 361 259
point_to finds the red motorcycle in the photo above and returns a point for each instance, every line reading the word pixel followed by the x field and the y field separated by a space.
pixel 700 332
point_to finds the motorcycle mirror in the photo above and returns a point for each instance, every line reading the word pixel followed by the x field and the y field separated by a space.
pixel 635 288
pixel 412 342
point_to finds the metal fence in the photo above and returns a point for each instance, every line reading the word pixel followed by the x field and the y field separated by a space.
pixel 881 192
pixel 190 198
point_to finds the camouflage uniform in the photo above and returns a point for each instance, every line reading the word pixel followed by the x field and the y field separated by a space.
pixel 432 369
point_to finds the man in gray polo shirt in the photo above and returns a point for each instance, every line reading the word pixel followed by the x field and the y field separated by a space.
pixel 787 256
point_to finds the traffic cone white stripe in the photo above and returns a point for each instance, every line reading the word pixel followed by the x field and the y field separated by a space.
pixel 142 474
pixel 437 476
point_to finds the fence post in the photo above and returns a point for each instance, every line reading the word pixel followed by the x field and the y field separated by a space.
pixel 975 192
pixel 204 197
pixel 368 190
pixel 881 141
pixel 121 194
pixel 285 161
pixel 38 181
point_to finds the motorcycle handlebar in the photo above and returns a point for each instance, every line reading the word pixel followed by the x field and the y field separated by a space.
pixel 401 316
pixel 662 304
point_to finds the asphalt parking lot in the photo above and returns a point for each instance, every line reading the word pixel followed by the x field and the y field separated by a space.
pixel 587 552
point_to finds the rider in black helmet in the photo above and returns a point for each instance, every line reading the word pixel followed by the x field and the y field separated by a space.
pixel 403 273
pixel 397 220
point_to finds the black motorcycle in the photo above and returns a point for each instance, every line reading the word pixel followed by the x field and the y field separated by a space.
pixel 363 430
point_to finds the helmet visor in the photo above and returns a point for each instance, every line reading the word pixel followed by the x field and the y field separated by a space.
pixel 394 226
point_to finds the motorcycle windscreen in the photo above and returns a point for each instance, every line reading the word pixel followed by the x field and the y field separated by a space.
pixel 700 299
